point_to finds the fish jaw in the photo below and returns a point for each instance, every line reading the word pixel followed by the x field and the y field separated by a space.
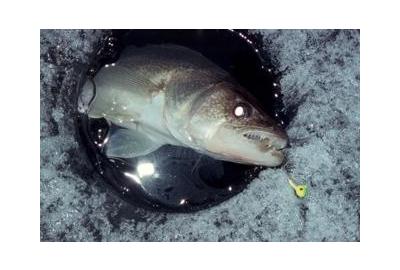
pixel 272 137
pixel 257 146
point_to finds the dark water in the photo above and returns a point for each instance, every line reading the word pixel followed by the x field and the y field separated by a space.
pixel 176 178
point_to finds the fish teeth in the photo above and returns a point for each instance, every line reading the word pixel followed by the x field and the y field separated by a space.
pixel 254 136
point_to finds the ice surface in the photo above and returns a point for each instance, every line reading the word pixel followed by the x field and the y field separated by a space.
pixel 320 86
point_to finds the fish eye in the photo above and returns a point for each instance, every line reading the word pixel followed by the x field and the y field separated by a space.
pixel 242 110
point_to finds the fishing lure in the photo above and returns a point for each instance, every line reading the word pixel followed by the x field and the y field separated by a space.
pixel 300 190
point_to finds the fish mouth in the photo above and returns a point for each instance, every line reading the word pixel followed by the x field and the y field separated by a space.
pixel 266 141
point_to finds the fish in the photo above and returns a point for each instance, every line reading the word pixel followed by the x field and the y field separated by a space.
pixel 170 94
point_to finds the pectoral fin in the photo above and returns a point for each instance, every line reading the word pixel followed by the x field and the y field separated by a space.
pixel 129 143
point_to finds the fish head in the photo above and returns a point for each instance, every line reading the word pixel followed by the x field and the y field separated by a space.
pixel 229 124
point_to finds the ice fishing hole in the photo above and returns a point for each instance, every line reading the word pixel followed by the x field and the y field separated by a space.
pixel 176 178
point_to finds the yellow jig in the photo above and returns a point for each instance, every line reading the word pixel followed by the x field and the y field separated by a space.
pixel 300 190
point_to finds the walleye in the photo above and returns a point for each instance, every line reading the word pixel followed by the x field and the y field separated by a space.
pixel 168 94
